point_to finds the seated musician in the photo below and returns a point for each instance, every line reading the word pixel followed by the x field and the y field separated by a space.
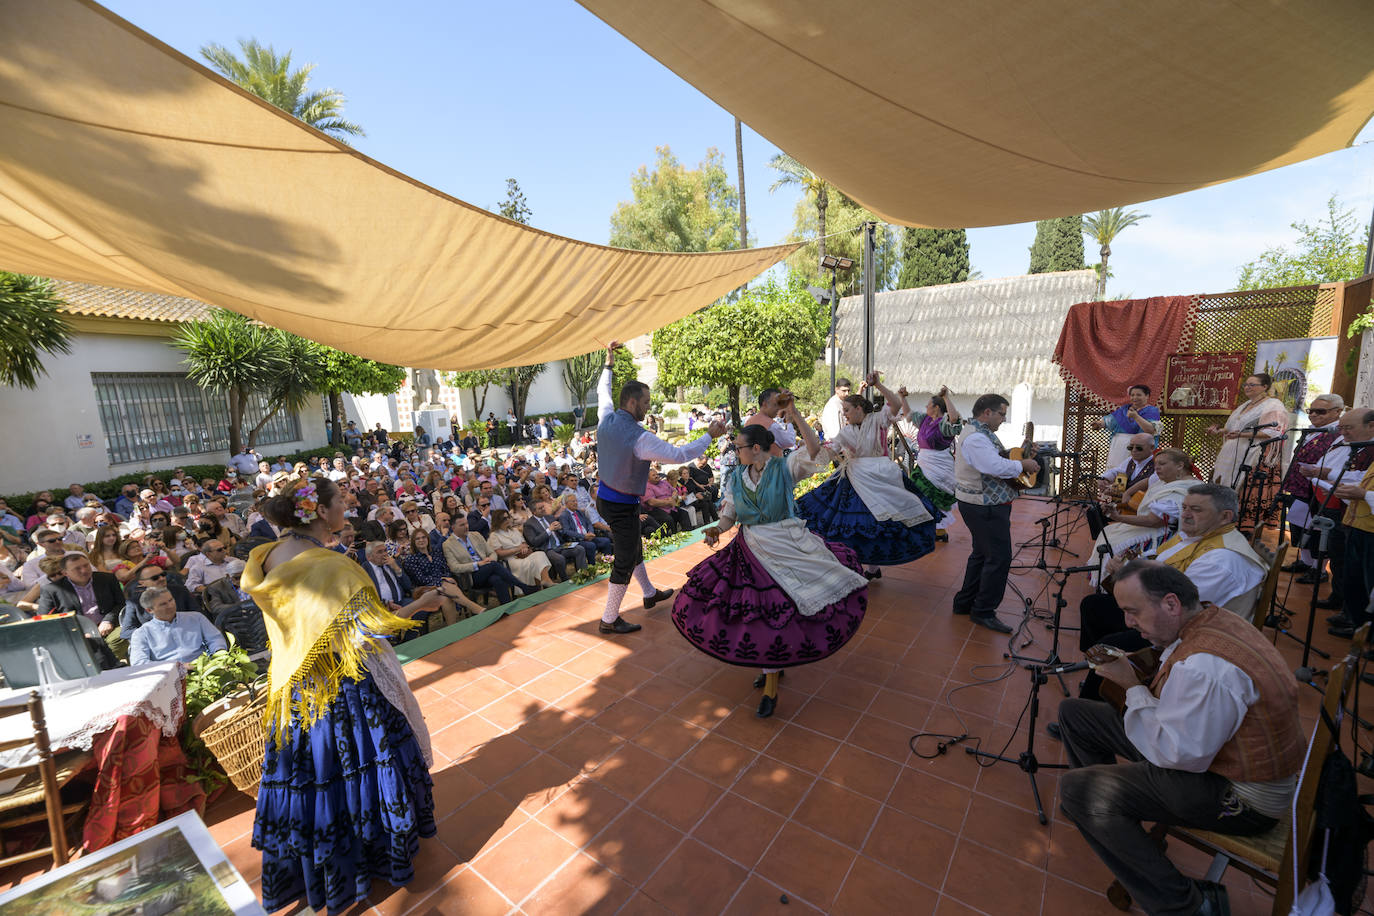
pixel 1212 742
pixel 1137 471
pixel 1159 509
pixel 1208 549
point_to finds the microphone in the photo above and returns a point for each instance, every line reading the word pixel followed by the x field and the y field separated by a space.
pixel 1068 669
pixel 1365 444
pixel 1259 426
pixel 1056 453
pixel 1078 569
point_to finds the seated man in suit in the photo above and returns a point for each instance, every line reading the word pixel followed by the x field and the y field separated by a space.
pixel 545 533
pixel 393 585
pixel 135 614
pixel 467 553
pixel 479 519
pixel 93 595
pixel 579 527
pixel 170 635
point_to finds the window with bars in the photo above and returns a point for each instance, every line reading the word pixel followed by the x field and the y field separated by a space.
pixel 147 415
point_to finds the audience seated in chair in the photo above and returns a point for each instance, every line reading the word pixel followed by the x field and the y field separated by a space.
pixel 169 634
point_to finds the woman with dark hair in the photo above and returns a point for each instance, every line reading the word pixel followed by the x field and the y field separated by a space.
pixel 934 473
pixel 346 793
pixel 869 504
pixel 1258 419
pixel 777 595
pixel 420 564
pixel 1137 415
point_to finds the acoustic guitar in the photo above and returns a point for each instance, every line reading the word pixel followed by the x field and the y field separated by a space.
pixel 1026 479
pixel 1145 662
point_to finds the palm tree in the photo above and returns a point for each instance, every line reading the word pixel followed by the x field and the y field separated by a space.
pixel 29 323
pixel 269 76
pixel 743 210
pixel 792 172
pixel 1103 227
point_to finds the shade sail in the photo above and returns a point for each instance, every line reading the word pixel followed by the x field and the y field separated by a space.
pixel 125 163
pixel 987 112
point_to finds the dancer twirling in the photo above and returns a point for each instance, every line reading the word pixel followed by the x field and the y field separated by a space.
pixel 934 474
pixel 869 504
pixel 777 595
pixel 624 450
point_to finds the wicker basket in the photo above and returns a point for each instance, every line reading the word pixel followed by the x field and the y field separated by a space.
pixel 233 732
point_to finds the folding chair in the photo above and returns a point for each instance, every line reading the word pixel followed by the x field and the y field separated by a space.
pixel 42 781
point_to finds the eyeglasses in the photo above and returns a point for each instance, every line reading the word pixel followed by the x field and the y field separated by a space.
pixel 1137 448
pixel 1312 410
pixel 154 578
pixel 483 505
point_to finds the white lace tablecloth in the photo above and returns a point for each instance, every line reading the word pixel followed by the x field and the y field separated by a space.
pixel 90 706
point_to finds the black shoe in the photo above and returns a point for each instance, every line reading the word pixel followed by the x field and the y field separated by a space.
pixel 663 594
pixel 1330 603
pixel 621 625
pixel 766 707
pixel 1297 566
pixel 758 681
pixel 1342 631
pixel 1310 578
pixel 1053 731
pixel 1214 900
pixel 1340 620
pixel 871 574
pixel 991 622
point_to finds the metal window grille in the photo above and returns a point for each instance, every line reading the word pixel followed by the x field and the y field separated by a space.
pixel 150 415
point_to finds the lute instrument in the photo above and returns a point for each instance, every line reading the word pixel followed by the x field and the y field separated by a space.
pixel 1026 479
pixel 1145 662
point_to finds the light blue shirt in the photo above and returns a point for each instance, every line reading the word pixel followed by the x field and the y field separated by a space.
pixel 184 638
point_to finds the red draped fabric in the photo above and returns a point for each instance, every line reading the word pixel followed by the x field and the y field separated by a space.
pixel 141 779
pixel 1107 346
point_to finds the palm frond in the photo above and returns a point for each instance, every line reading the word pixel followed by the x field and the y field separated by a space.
pixel 30 324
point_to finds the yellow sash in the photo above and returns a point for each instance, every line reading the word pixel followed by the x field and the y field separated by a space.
pixel 1224 538
pixel 1358 514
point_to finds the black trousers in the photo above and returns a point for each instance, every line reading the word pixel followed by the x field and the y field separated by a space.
pixel 1108 801
pixel 985 574
pixel 1359 573
pixel 626 543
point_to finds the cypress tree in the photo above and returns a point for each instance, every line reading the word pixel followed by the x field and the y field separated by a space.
pixel 1058 245
pixel 933 256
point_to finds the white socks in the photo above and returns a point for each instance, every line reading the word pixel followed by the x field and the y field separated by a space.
pixel 1305 556
pixel 642 577
pixel 614 594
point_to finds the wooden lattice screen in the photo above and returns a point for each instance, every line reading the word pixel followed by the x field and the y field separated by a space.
pixel 1225 321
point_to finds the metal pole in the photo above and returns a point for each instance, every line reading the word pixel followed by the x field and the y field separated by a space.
pixel 834 326
pixel 868 297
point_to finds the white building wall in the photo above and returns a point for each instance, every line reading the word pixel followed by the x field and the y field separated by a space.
pixel 53 435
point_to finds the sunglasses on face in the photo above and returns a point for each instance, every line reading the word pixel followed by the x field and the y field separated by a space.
pixel 154 578
pixel 1137 448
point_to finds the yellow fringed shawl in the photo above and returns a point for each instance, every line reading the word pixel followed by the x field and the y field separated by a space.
pixel 320 609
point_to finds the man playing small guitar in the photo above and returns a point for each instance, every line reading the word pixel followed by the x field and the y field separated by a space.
pixel 983 487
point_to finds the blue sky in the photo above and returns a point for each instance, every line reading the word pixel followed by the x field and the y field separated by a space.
pixel 464 95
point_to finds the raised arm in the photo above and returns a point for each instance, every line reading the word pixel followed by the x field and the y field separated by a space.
pixel 894 403
pixel 808 435
pixel 951 412
pixel 605 400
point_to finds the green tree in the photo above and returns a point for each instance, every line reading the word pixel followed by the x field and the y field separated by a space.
pixel 268 75
pixel 30 324
pixel 580 374
pixel 812 392
pixel 679 209
pixel 514 207
pixel 345 373
pixel 1328 250
pixel 479 379
pixel 1103 227
pixel 228 354
pixel 933 256
pixel 623 369
pixel 769 336
pixel 1058 245
pixel 517 381
pixel 815 191
pixel 845 220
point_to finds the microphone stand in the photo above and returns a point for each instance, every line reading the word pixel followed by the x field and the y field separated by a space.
pixel 1323 524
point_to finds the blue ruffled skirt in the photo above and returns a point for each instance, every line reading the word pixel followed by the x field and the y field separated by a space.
pixel 835 511
pixel 343 803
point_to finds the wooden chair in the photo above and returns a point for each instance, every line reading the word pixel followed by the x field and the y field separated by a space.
pixel 1268 857
pixel 41 784
pixel 1265 602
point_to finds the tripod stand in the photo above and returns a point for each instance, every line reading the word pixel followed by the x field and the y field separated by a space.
pixel 1049 535
pixel 1027 760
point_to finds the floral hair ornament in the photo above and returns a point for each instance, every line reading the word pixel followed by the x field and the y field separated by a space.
pixel 307 502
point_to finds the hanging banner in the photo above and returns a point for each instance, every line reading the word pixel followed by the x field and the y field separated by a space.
pixel 1203 383
pixel 1301 367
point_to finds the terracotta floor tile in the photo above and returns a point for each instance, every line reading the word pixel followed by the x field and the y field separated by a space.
pixel 774 785
pixel 495 759
pixel 1065 897
pixel 480 825
pixel 644 905
pixel 670 737
pixel 863 669
pixel 837 813
pixel 827 717
pixel 555 651
pixel 457 740
pixel 1007 830
pixel 863 772
pixel 481 691
pixel 1072 859
pixel 680 798
pixel 660 692
pixel 586 747
pixel 453 788
pixel 581 886
pixel 553 684
pixel 547 727
pixel 466 893
pixel 873 890
pixel 588 665
pixel 702 708
pixel 853 693
pixel 806 864
pixel 882 737
pixel 518 669
pixel 914 847
pixel 802 748
pixel 537 783
pixel 695 879
pixel 435 865
pixel 930 798
pixel 634 845
pixel 739 829
pixel 579 813
pixel 992 882
pixel 512 709
pixel 718 759
pixel 626 717
pixel 763 898
pixel 924 684
pixel 626 675
pixel 523 860
pixel 629 771
pixel 906 710
pixel 744 727
pixel 948 906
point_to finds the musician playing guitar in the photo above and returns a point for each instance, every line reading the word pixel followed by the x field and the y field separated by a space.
pixel 983 478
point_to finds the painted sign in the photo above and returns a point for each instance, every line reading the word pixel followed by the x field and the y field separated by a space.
pixel 1203 383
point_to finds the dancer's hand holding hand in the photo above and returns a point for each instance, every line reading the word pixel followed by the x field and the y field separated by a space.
pixel 717 428
pixel 711 536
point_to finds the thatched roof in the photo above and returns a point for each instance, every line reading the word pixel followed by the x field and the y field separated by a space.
pixel 975 337
pixel 109 302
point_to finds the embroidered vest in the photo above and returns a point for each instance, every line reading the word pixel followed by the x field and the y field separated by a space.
pixel 770 501
pixel 972 486
pixel 1310 452
pixel 1269 743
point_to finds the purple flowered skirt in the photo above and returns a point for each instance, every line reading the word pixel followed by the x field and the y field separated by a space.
pixel 732 610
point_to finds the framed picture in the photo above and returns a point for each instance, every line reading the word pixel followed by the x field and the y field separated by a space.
pixel 173 868
pixel 1203 383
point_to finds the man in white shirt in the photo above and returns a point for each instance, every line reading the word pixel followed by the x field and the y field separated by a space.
pixel 832 417
pixel 245 462
pixel 1138 467
pixel 210 565
pixel 1212 743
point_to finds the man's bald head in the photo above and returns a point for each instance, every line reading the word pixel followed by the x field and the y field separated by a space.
pixel 1144 439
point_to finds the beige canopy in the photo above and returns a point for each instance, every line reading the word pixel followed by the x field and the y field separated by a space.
pixel 125 163
pixel 966 113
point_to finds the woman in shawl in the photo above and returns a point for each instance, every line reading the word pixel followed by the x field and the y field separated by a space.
pixel 346 793
pixel 1137 415
pixel 934 473
pixel 869 504
pixel 1159 508
pixel 777 595
pixel 1260 418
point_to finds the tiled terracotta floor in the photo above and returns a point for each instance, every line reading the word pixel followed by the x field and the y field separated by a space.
pixel 577 774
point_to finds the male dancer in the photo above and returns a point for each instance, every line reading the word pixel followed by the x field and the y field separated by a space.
pixel 624 450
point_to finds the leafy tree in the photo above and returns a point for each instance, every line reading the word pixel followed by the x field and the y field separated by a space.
pixel 933 256
pixel 514 206
pixel 517 381
pixel 1331 249
pixel 771 335
pixel 228 354
pixel 580 374
pixel 1103 227
pixel 623 369
pixel 30 323
pixel 815 191
pixel 345 373
pixel 679 209
pixel 1058 245
pixel 481 378
pixel 814 391
pixel 269 76
pixel 845 220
